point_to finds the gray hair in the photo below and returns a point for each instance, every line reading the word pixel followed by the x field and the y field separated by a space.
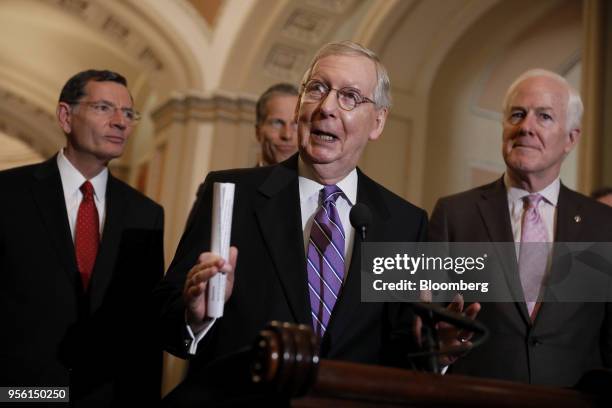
pixel 280 89
pixel 382 92
pixel 574 102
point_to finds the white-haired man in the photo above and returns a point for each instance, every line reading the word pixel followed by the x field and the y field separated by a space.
pixel 532 341
pixel 343 104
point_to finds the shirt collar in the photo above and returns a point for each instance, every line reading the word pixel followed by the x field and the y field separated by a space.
pixel 72 179
pixel 550 192
pixel 309 187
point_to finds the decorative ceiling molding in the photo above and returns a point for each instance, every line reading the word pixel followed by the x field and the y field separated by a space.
pixel 332 6
pixel 285 62
pixel 200 108
pixel 113 27
pixel 21 119
pixel 305 27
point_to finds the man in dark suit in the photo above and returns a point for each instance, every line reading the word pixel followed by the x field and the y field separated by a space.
pixel 80 252
pixel 532 341
pixel 280 273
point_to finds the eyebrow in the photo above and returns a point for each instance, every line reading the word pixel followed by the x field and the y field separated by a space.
pixel 112 104
pixel 537 108
pixel 327 83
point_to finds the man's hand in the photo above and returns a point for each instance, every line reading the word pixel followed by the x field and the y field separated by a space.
pixel 448 335
pixel 195 293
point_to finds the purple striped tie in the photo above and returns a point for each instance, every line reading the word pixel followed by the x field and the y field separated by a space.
pixel 325 260
pixel 533 255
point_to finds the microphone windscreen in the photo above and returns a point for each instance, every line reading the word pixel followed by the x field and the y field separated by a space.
pixel 360 216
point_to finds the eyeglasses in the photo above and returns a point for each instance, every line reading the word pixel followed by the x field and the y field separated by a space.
pixel 109 110
pixel 348 98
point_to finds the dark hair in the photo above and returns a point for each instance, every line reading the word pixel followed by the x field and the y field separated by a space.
pixel 601 192
pixel 275 90
pixel 74 89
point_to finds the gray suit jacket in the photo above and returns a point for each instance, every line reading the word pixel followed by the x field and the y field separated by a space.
pixel 566 339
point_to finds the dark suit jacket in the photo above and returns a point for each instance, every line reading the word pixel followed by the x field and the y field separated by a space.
pixel 271 279
pixel 566 339
pixel 52 332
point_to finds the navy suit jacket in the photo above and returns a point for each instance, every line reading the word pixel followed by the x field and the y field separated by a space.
pixel 54 334
pixel 271 278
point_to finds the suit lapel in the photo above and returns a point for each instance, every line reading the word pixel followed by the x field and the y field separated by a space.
pixel 49 197
pixel 111 237
pixel 567 230
pixel 495 214
pixel 279 217
pixel 496 217
pixel 344 310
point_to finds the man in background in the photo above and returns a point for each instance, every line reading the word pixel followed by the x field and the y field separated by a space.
pixel 532 341
pixel 275 128
pixel 80 252
pixel 275 125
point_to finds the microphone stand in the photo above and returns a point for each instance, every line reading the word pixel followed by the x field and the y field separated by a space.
pixel 429 335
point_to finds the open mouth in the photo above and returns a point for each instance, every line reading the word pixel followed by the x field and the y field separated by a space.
pixel 323 135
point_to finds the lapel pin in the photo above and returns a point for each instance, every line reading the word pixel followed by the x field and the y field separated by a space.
pixel 577 218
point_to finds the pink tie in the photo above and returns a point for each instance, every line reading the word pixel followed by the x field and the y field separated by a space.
pixel 533 257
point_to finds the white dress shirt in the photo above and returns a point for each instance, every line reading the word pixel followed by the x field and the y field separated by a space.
pixel 309 205
pixel 72 179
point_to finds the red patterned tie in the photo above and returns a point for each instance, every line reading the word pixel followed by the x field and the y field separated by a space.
pixel 87 235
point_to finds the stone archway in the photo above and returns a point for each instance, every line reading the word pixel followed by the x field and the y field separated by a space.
pixel 46 41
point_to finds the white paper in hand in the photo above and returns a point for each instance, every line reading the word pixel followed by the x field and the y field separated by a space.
pixel 223 206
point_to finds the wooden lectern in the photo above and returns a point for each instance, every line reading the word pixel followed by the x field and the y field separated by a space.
pixel 283 369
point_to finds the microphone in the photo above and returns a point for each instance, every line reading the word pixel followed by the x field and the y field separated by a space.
pixel 360 217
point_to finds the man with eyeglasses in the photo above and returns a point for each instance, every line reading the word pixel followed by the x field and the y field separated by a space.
pixel 80 252
pixel 299 256
pixel 542 337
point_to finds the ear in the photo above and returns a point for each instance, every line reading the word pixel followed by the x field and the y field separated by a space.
pixel 381 118
pixel 257 134
pixel 64 117
pixel 573 139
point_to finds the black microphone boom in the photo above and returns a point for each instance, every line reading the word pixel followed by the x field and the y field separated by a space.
pixel 360 217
